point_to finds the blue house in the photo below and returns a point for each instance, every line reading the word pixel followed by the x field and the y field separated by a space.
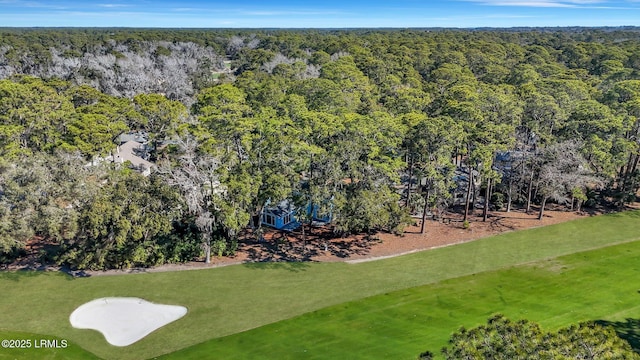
pixel 282 216
pixel 318 218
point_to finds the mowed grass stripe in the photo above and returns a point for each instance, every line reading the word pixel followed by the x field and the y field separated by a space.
pixel 232 299
pixel 34 348
pixel 596 285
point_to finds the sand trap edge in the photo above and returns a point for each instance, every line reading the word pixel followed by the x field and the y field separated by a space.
pixel 124 320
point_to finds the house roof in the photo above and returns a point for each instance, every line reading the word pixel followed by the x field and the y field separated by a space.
pixel 281 209
pixel 134 136
pixel 127 152
pixel 291 226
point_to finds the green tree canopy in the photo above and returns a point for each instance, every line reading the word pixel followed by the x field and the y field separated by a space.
pixel 502 338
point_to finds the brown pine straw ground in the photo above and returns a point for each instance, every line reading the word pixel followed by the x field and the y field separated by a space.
pixel 322 246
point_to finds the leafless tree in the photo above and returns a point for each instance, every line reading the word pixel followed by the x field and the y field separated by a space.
pixel 338 55
pixel 562 168
pixel 304 70
pixel 311 72
pixel 6 70
pixel 118 70
pixel 277 60
pixel 253 43
pixel 236 43
pixel 195 176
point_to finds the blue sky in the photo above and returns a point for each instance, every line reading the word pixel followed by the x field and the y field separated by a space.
pixel 319 14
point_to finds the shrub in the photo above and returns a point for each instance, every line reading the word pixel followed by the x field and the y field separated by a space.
pixel 497 199
pixel 222 247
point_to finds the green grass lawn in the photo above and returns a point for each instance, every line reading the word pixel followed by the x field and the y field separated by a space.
pixel 596 285
pixel 233 299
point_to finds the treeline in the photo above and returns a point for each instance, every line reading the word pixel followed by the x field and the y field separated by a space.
pixel 93 216
pixel 370 125
pixel 114 62
pixel 90 217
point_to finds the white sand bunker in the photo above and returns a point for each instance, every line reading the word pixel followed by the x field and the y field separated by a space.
pixel 122 320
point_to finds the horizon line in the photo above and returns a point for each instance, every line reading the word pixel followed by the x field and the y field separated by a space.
pixel 331 28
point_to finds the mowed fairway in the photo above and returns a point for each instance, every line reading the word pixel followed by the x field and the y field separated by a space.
pixel 229 300
pixel 596 285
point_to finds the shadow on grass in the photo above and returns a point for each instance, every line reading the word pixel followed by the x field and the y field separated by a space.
pixel 289 266
pixel 17 275
pixel 628 330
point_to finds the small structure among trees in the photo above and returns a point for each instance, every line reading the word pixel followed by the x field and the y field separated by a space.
pixel 281 216
pixel 132 147
pixel 133 152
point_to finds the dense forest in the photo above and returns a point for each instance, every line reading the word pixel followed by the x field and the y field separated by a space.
pixel 371 125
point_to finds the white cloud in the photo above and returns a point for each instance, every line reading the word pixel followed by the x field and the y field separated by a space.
pixel 113 6
pixel 35 4
pixel 183 9
pixel 288 12
pixel 539 3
